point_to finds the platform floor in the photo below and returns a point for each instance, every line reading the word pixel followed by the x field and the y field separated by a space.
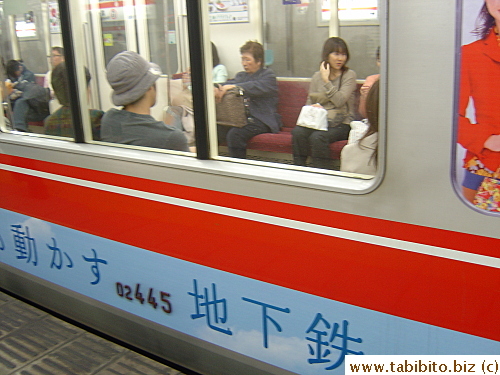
pixel 33 342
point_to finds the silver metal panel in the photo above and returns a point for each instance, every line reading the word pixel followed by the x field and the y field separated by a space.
pixel 156 339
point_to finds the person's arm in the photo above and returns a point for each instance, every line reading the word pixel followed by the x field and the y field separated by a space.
pixel 314 87
pixel 363 92
pixel 473 137
pixel 340 96
pixel 264 86
pixel 28 75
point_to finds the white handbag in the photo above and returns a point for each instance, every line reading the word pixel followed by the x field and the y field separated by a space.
pixel 313 117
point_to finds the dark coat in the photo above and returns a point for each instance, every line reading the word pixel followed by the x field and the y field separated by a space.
pixel 262 90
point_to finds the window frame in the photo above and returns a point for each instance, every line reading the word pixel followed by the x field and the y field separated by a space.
pixel 206 161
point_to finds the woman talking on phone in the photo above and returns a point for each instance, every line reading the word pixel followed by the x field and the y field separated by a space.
pixel 332 88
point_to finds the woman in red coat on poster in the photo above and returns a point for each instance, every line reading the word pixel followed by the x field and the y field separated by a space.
pixel 479 80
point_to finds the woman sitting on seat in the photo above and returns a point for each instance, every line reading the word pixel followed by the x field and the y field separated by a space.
pixel 261 90
pixel 361 157
pixel 332 88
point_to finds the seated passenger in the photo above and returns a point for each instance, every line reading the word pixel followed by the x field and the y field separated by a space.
pixel 369 81
pixel 261 89
pixel 180 113
pixel 56 57
pixel 133 81
pixel 60 122
pixel 361 157
pixel 219 71
pixel 332 88
pixel 30 102
pixel 17 72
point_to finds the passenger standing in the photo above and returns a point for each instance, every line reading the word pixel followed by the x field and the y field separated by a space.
pixel 332 88
pixel 261 89
pixel 480 74
pixel 361 157
pixel 56 57
pixel 133 80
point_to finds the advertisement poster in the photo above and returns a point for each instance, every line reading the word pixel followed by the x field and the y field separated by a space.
pixel 477 172
pixel 54 21
pixel 351 10
pixel 225 11
pixel 26 30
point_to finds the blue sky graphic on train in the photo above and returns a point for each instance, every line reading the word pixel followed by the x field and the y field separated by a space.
pixel 296 331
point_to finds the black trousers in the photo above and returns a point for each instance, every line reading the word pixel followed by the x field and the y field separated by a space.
pixel 317 142
pixel 237 138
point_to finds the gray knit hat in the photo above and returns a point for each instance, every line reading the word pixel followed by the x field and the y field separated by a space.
pixel 130 76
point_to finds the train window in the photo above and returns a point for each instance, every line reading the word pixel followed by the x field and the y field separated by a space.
pixel 287 95
pixel 137 101
pixel 146 103
pixel 303 97
pixel 477 161
pixel 35 83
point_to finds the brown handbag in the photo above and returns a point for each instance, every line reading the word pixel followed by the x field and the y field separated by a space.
pixel 231 111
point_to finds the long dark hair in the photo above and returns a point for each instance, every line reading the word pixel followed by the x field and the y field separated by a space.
pixel 484 22
pixel 372 103
pixel 215 56
pixel 335 44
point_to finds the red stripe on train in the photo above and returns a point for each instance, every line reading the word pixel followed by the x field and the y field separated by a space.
pixel 378 227
pixel 442 292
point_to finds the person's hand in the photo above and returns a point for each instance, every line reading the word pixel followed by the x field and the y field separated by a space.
pixel 369 81
pixel 324 70
pixel 493 143
pixel 317 105
pixel 186 78
pixel 226 88
pixel 222 91
pixel 365 89
pixel 8 87
pixel 218 94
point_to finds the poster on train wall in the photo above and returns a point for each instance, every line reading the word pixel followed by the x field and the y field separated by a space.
pixel 227 11
pixel 351 11
pixel 477 159
pixel 54 20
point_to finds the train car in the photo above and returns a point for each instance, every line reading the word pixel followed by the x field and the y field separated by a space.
pixel 256 266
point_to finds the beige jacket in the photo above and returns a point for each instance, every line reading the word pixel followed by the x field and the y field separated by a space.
pixel 357 157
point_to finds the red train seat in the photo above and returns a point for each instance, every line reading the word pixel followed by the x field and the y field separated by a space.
pixel 292 96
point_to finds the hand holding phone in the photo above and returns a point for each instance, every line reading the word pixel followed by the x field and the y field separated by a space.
pixel 324 70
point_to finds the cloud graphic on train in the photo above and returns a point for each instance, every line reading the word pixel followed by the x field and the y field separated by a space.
pixel 287 352
pixel 39 229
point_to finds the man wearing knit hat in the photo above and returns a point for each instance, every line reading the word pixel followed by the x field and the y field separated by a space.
pixel 133 81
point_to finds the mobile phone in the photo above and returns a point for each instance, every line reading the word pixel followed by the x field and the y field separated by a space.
pixel 326 64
